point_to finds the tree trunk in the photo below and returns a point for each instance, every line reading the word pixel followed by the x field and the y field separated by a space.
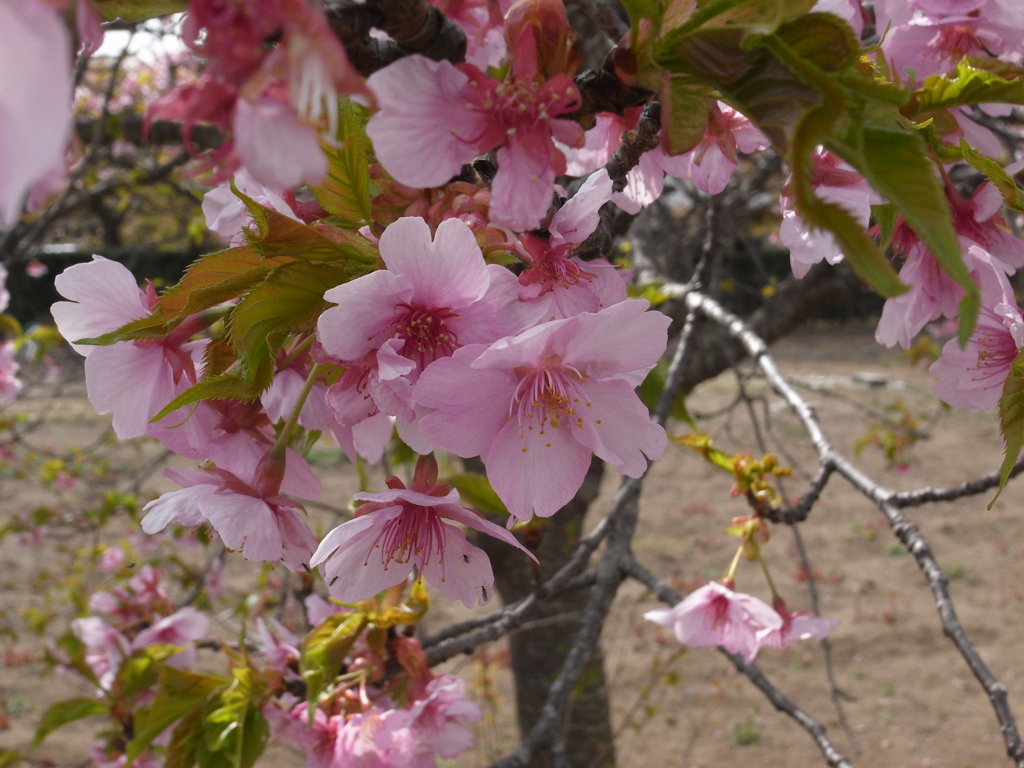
pixel 539 648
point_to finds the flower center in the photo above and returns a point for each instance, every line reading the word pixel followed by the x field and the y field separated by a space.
pixel 416 535
pixel 954 41
pixel 546 397
pixel 425 333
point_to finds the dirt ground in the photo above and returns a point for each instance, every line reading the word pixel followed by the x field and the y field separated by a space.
pixel 908 697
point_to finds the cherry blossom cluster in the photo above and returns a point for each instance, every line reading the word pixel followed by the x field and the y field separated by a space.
pixel 131 622
pixel 926 38
pixel 371 719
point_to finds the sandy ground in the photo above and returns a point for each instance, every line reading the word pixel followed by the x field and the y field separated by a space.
pixel 908 698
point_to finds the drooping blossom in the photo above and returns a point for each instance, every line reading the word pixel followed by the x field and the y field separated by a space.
pixel 249 515
pixel 35 99
pixel 555 282
pixel 716 615
pixel 436 295
pixel 534 406
pixel 796 627
pixel 709 164
pixel 437 726
pixel 132 379
pixel 105 648
pixel 973 376
pixel 278 647
pixel 404 528
pixel 10 384
pixel 275 100
pixel 837 183
pixel 436 116
pixel 926 46
pixel 933 292
pixel 184 627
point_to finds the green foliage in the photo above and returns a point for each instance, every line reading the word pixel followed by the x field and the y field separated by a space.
pixel 1013 197
pixel 475 491
pixel 324 650
pixel 67 711
pixel 684 114
pixel 1011 420
pixel 800 78
pixel 138 10
pixel 974 81
pixel 219 722
pixel 345 193
pixel 179 692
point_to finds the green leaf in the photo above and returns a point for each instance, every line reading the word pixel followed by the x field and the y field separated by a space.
pixel 975 81
pixel 896 164
pixel 1013 197
pixel 179 692
pixel 138 10
pixel 324 651
pixel 646 9
pixel 684 115
pixel 67 711
pixel 650 391
pixel 885 215
pixel 288 301
pixel 277 235
pixel 235 733
pixel 1011 420
pixel 345 192
pixel 476 492
pixel 184 743
pixel 754 16
pixel 212 280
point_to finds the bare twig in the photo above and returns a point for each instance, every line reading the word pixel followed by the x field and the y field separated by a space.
pixel 908 534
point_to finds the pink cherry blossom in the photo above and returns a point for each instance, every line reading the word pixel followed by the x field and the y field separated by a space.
pixel 278 148
pixel 716 615
pixel 10 384
pixel 132 379
pixel 933 293
pixel 35 99
pixel 182 628
pixel 534 406
pixel 249 516
pixel 438 720
pixel 834 182
pixel 402 528
pixel 973 376
pixel 929 46
pixel 226 214
pixel 278 647
pixel 557 283
pixel 436 116
pixel 264 93
pixel 435 295
pixel 105 648
pixel 710 164
pixel 795 628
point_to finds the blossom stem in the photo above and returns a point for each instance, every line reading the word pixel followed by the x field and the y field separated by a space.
pixel 768 577
pixel 297 350
pixel 730 575
pixel 293 418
